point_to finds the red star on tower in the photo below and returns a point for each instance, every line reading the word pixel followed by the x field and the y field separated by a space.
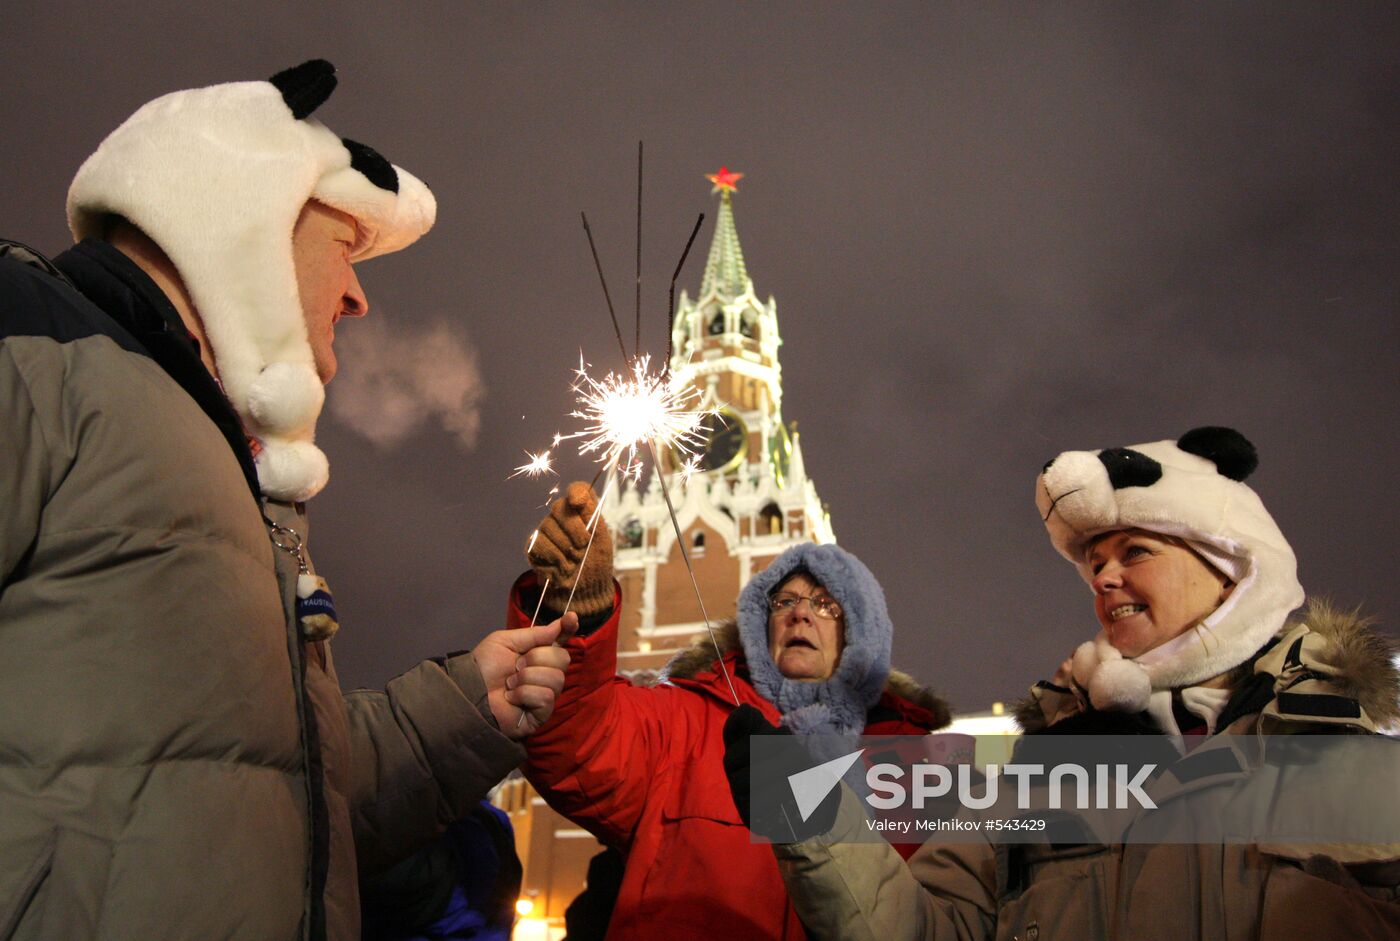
pixel 725 180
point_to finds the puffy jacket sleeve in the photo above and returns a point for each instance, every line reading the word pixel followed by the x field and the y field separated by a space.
pixel 844 888
pixel 423 753
pixel 26 465
pixel 601 752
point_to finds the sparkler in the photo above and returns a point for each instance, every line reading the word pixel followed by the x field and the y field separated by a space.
pixel 645 410
pixel 624 412
pixel 534 618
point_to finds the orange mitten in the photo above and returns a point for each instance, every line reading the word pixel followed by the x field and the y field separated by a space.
pixel 557 554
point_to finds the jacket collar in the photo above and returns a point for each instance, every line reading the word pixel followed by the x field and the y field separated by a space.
pixel 118 286
pixel 1331 669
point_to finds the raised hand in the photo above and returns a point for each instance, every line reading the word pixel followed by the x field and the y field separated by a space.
pixel 557 553
pixel 524 673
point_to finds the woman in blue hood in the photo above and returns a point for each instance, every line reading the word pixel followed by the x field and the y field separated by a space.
pixel 642 768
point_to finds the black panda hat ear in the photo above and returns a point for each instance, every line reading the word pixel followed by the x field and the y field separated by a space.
pixel 305 87
pixel 1230 451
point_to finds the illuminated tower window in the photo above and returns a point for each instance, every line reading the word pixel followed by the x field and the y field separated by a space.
pixel 770 520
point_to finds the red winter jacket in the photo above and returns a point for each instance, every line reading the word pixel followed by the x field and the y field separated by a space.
pixel 642 769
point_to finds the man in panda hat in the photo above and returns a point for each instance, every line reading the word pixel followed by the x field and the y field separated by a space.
pixel 176 758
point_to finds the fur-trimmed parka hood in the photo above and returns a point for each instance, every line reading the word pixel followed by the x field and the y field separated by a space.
pixel 700 656
pixel 1329 653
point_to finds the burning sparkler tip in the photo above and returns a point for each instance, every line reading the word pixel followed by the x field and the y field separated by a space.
pixel 624 412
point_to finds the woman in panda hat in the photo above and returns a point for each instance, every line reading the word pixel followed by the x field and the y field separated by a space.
pixel 1193 587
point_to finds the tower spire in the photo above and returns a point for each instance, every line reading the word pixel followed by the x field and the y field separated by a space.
pixel 724 269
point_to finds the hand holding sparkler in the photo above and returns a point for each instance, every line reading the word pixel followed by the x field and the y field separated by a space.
pixel 524 671
pixel 571 553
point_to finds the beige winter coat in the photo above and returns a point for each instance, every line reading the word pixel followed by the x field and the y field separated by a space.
pixel 1134 892
pixel 176 760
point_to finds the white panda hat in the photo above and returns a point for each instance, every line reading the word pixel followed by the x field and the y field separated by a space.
pixel 1193 489
pixel 217 177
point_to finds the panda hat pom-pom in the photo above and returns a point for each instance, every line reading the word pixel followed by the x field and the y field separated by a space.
pixel 1113 684
pixel 217 177
pixel 1192 489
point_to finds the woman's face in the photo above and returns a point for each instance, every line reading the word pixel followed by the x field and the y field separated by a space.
pixel 804 644
pixel 1149 589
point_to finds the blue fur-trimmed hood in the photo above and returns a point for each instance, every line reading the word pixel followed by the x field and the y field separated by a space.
pixel 840 702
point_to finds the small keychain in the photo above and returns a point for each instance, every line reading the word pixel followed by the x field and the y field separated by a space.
pixel 315 606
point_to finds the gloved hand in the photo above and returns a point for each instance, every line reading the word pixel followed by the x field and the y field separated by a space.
pixel 558 552
pixel 743 722
pixel 779 818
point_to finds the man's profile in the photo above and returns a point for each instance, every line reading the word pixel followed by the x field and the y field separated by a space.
pixel 176 757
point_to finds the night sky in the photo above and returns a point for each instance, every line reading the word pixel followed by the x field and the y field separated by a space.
pixel 994 233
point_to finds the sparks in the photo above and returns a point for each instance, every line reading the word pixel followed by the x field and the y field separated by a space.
pixel 536 466
pixel 689 468
pixel 625 412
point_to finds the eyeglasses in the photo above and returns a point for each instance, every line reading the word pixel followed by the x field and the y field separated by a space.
pixel 823 606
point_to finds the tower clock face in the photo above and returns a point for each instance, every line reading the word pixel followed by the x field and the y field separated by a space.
pixel 725 439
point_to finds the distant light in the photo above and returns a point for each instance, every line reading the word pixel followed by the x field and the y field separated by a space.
pixel 524 906
pixel 998 709
pixel 644 646
pixel 983 724
pixel 531 929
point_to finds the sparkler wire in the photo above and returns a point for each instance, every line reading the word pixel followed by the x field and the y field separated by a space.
pixel 671 310
pixel 680 541
pixel 604 281
pixel 637 342
pixel 535 618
